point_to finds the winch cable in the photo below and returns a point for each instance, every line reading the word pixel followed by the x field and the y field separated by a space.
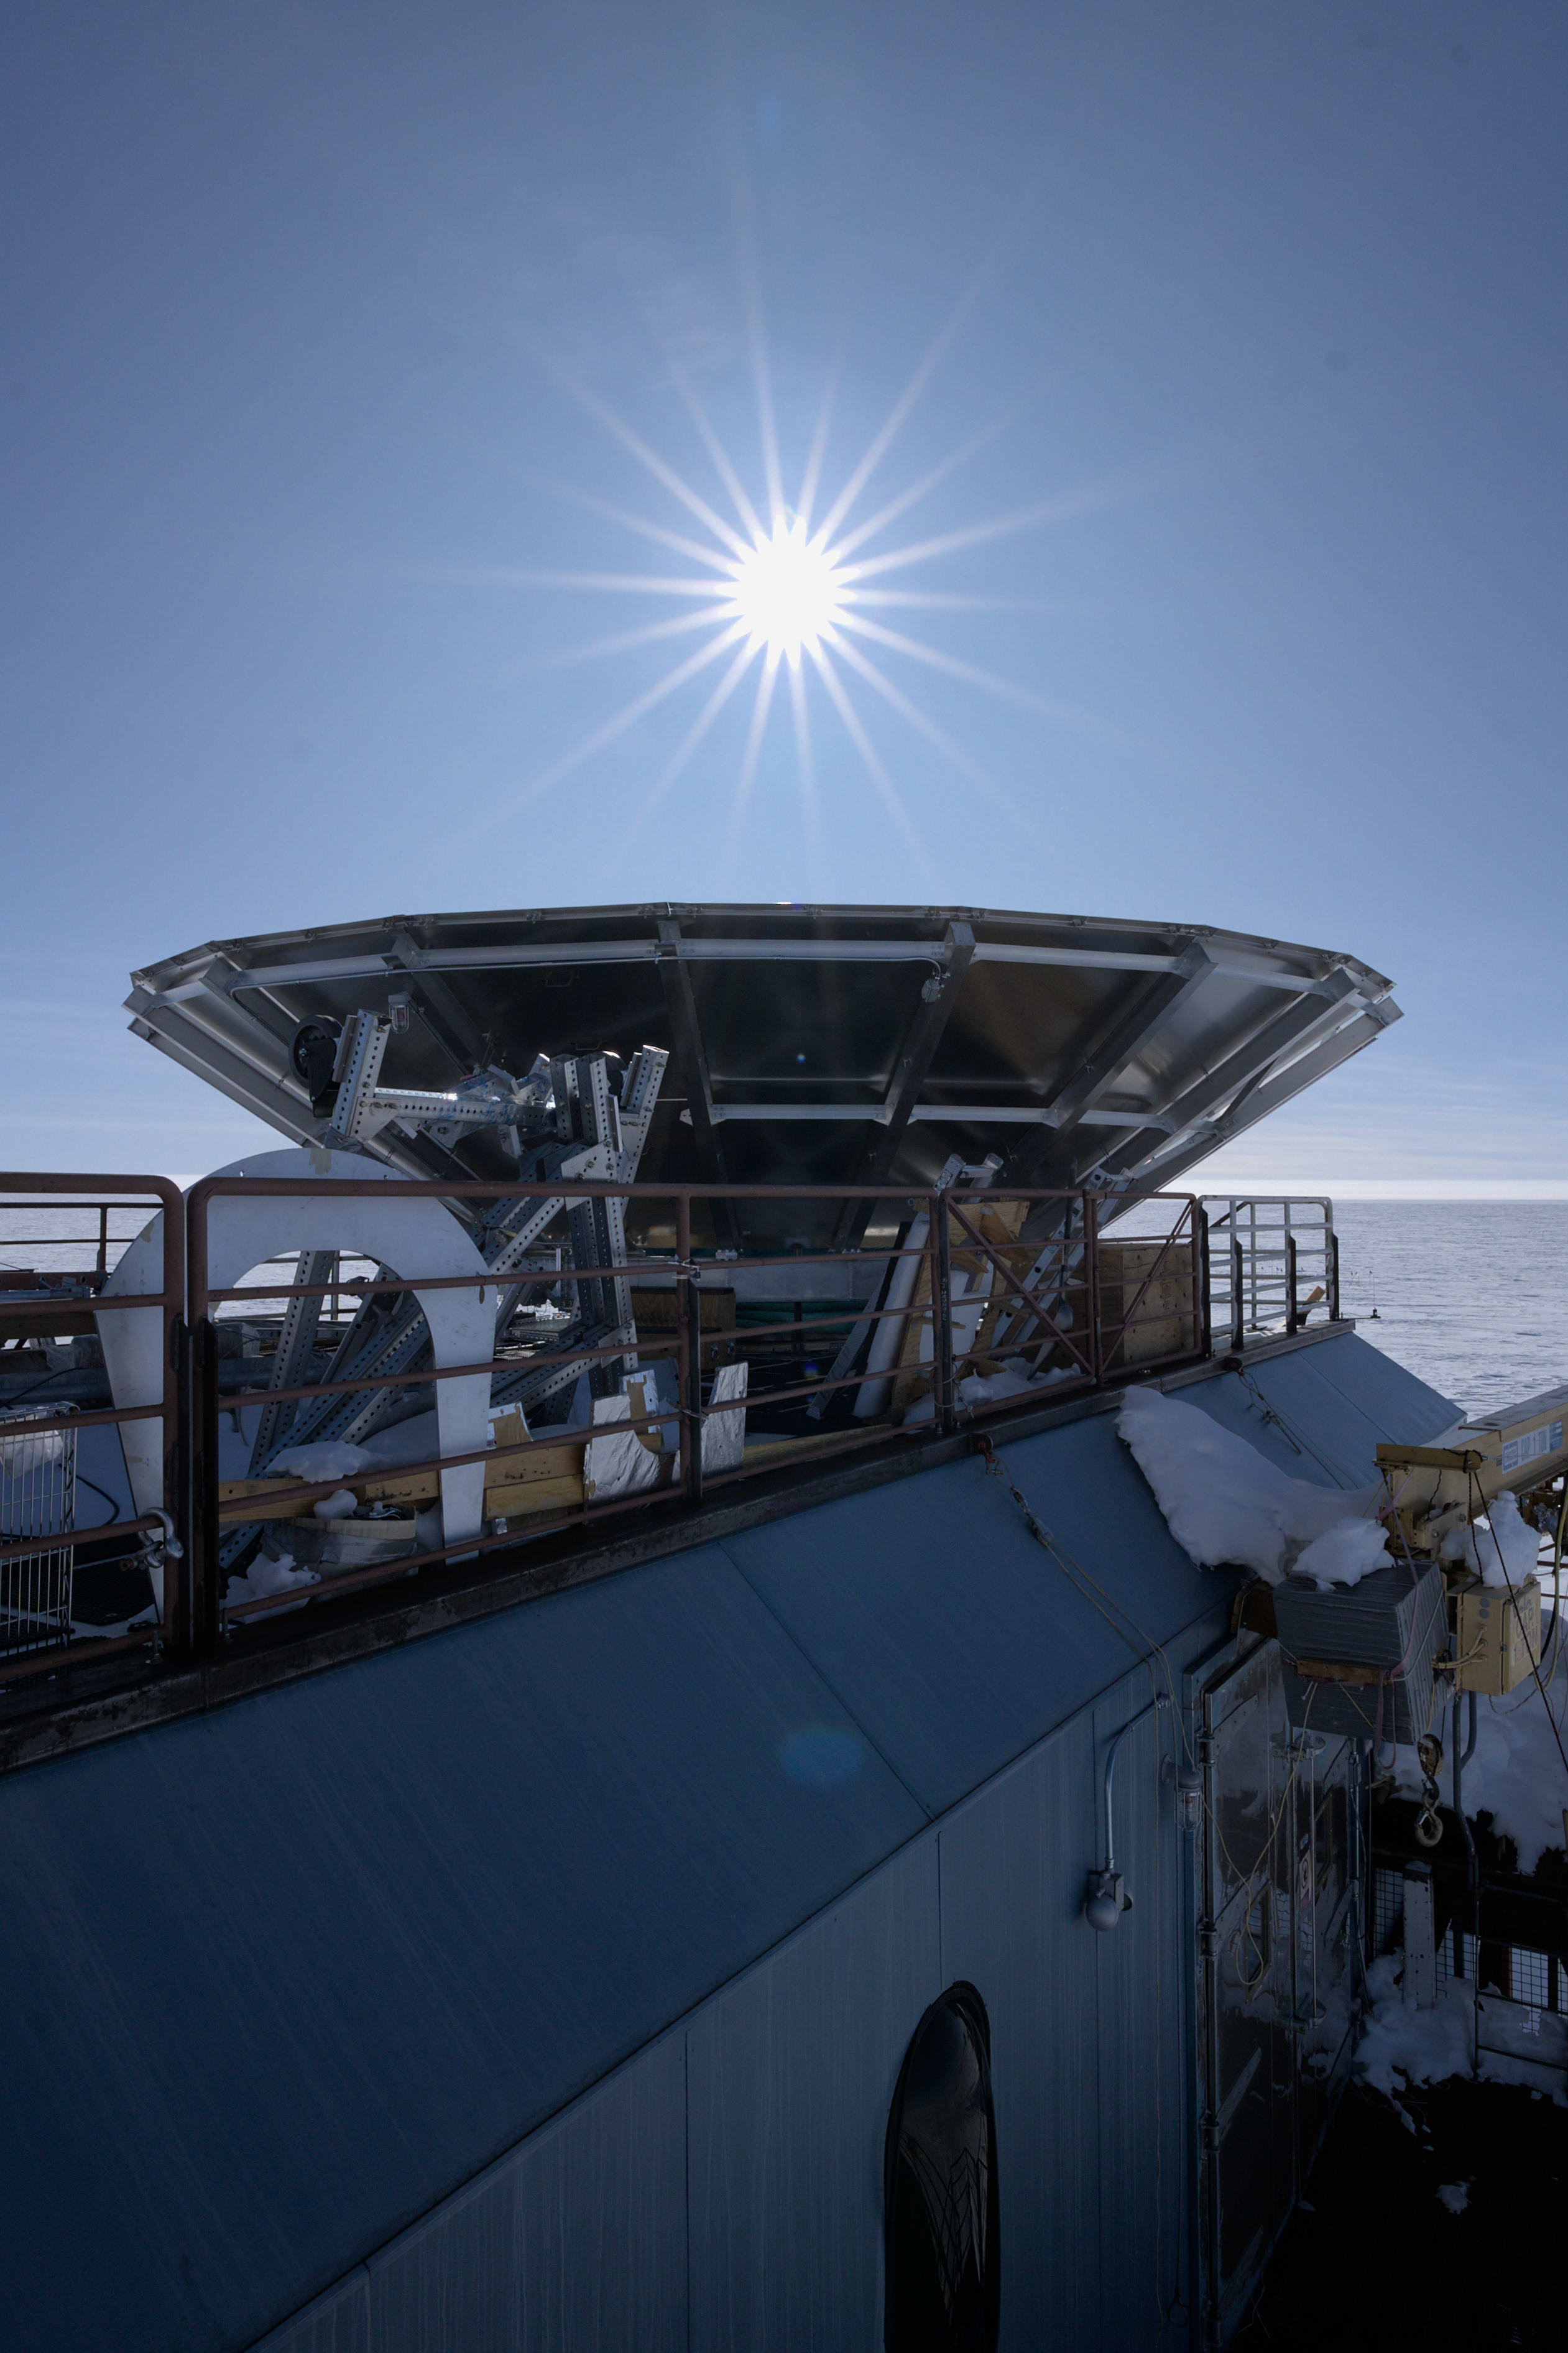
pixel 1074 1570
pixel 1270 1412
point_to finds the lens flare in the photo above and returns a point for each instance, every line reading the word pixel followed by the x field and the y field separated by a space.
pixel 786 592
pixel 764 593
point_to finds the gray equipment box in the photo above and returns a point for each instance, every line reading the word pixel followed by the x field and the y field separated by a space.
pixel 1390 1628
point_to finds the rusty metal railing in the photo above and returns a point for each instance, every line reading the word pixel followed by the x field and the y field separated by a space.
pixel 70 1301
pixel 977 1305
pixel 1041 1312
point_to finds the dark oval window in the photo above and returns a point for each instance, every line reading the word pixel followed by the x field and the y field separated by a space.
pixel 939 2189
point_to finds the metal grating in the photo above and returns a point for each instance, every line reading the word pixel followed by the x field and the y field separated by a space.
pixel 1387 1912
pixel 1534 1980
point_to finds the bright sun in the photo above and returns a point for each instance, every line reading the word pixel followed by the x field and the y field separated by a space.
pixel 786 592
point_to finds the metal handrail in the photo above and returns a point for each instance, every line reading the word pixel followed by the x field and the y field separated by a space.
pixel 1028 1283
pixel 89 1192
pixel 1257 1265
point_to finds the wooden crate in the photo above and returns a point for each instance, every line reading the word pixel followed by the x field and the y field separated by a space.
pixel 656 1310
pixel 997 1223
pixel 1165 1314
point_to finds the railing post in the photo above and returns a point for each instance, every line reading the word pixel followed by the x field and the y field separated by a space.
pixel 204 1597
pixel 943 1374
pixel 1238 1303
pixel 1331 1271
pixel 1203 1333
pixel 688 1327
pixel 1292 1313
pixel 179 1492
pixel 1090 1212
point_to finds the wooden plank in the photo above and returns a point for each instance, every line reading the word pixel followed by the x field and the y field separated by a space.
pixel 557 1469
pixel 1428 1457
pixel 526 1498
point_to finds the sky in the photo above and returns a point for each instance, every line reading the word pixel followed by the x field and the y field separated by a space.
pixel 1213 360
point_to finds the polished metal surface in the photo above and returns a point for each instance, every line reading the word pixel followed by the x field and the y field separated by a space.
pixel 811 1045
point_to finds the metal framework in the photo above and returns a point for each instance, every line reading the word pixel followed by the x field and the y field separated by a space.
pixel 818 1047
pixel 956 1316
pixel 1273 1259
pixel 963 1302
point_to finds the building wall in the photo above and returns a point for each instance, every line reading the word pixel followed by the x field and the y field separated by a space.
pixel 601 1923
pixel 724 2189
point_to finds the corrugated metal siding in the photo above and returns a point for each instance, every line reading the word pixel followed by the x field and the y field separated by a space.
pixel 941 1626
pixel 287 1976
pixel 1014 1860
pixel 291 1972
pixel 1319 1434
pixel 1397 1401
pixel 338 2322
pixel 1141 2046
pixel 575 2243
pixel 791 2077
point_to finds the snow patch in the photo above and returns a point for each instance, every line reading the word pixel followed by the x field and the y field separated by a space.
pixel 265 1577
pixel 1502 1549
pixel 414 1440
pixel 1516 1773
pixel 1226 1504
pixel 341 1506
pixel 1454 2195
pixel 1343 1554
pixel 990 1388
pixel 1402 2045
pixel 330 1459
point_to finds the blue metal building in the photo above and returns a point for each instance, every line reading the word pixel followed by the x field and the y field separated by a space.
pixel 546 1983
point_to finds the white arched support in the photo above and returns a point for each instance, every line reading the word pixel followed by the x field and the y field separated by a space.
pixel 414 1237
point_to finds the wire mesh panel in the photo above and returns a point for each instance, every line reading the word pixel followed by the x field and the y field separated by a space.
pixel 1458 1955
pixel 37 1498
pixel 1387 1911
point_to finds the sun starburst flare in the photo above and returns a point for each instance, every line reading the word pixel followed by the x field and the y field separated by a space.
pixel 770 590
pixel 787 593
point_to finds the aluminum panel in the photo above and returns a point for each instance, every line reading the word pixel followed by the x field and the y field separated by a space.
pixel 1318 1434
pixel 791 2074
pixel 575 2243
pixel 1175 1016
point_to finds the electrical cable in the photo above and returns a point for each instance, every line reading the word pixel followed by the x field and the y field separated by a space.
pixel 34 1387
pixel 83 1481
pixel 1074 1571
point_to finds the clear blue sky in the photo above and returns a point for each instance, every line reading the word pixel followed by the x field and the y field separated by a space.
pixel 1266 304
